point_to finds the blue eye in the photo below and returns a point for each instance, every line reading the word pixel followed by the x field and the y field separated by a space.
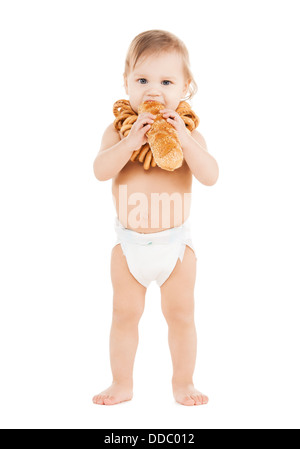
pixel 166 82
pixel 142 81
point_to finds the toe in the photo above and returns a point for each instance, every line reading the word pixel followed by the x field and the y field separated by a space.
pixel 199 399
pixel 205 399
pixel 98 399
pixel 110 400
pixel 188 400
pixel 195 399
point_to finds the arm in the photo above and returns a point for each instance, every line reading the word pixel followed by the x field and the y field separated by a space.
pixel 115 153
pixel 203 166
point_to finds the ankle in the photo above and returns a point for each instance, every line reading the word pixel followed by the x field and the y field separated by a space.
pixel 125 383
pixel 182 383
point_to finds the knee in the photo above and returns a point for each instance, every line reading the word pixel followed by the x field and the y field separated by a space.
pixel 180 317
pixel 126 314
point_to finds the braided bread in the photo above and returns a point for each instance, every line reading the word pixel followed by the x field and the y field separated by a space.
pixel 126 117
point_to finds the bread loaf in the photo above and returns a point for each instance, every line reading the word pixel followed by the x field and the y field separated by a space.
pixel 163 138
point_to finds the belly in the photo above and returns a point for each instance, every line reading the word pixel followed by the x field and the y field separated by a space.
pixel 154 200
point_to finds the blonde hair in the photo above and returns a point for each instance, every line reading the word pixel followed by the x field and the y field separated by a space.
pixel 157 41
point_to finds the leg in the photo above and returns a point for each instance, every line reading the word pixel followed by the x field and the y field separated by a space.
pixel 177 295
pixel 128 307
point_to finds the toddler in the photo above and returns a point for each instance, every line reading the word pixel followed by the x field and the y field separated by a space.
pixel 153 242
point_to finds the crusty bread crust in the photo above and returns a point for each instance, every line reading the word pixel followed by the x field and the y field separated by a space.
pixel 163 138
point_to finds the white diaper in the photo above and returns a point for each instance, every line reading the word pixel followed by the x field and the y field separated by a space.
pixel 152 257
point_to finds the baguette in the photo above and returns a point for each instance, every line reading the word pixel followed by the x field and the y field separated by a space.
pixel 163 138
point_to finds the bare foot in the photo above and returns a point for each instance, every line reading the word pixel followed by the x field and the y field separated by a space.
pixel 188 395
pixel 115 394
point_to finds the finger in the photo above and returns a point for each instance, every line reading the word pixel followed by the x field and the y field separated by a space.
pixel 170 114
pixel 145 120
pixel 168 111
pixel 146 115
pixel 146 128
pixel 142 129
pixel 143 123
pixel 172 121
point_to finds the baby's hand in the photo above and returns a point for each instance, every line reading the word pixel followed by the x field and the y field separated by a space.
pixel 137 136
pixel 175 120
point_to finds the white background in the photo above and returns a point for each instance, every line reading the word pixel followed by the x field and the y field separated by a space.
pixel 62 65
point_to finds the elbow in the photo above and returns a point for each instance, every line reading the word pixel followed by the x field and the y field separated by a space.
pixel 209 182
pixel 215 175
pixel 97 173
pixel 100 176
pixel 213 178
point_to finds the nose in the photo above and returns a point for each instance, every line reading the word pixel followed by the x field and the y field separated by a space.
pixel 154 89
pixel 153 93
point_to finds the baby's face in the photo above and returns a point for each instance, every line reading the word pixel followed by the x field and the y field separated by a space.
pixel 158 77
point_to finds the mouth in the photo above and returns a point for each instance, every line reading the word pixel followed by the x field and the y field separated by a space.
pixel 154 101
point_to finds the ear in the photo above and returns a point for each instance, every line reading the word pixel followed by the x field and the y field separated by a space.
pixel 186 88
